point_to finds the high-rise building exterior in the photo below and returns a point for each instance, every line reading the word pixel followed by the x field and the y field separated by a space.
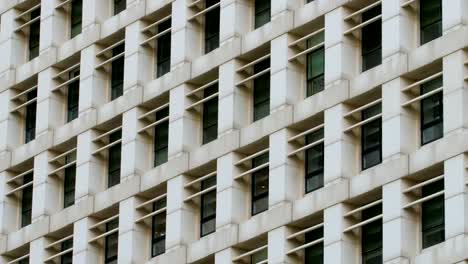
pixel 234 131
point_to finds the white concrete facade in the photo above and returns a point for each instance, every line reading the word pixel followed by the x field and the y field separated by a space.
pixel 405 162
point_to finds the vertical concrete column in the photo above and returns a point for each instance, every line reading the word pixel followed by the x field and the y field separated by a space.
pixel 46 190
pixel 456 197
pixel 454 14
pixel 284 180
pixel 9 206
pixel 341 53
pixel 398 29
pixel 186 36
pixel 11 124
pixel 181 216
pixel 340 149
pixel 84 252
pixel 455 98
pixel 339 248
pixel 234 19
pixel 134 150
pixel 95 12
pixel 137 58
pixel 37 253
pixel 89 169
pixel 184 126
pixel 231 195
pixel 55 27
pixel 232 99
pixel 132 246
pixel 278 245
pixel 12 45
pixel 50 106
pixel 400 227
pixel 286 78
pixel 279 7
pixel 399 124
pixel 93 84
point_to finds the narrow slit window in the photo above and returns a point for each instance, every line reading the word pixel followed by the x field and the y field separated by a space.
pixel 315 66
pixel 260 185
pixel 26 201
pixel 371 240
pixel 30 118
pixel 212 26
pixel 262 12
pixel 161 138
pixel 117 77
pixel 314 158
pixel 111 243
pixel 431 112
pixel 371 47
pixel 163 49
pixel 371 138
pixel 114 161
pixel 119 6
pixel 261 92
pixel 73 96
pixel 430 20
pixel 34 34
pixel 69 182
pixel 314 254
pixel 158 229
pixel 208 207
pixel 76 17
pixel 432 215
pixel 210 115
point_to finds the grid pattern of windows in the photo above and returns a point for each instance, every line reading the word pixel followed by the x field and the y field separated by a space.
pixel 260 185
pixel 163 50
pixel 76 17
pixel 26 201
pixel 161 138
pixel 371 40
pixel 117 77
pixel 430 20
pixel 208 207
pixel 34 34
pixel 111 243
pixel 210 115
pixel 315 66
pixel 262 12
pixel 371 236
pixel 212 26
pixel 158 229
pixel 314 159
pixel 431 112
pixel 113 173
pixel 73 96
pixel 30 118
pixel 261 92
pixel 432 215
pixel 371 138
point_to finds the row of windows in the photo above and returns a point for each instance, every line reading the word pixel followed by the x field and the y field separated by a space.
pixel 432 225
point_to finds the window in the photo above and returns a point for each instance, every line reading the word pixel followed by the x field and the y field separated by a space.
pixel 210 115
pixel 117 77
pixel 24 261
pixel 34 34
pixel 158 229
pixel 69 182
pixel 260 185
pixel 259 256
pixel 76 17
pixel 30 118
pixel 314 254
pixel 314 162
pixel 262 12
pixel 208 207
pixel 114 160
pixel 72 97
pixel 371 48
pixel 161 137
pixel 68 257
pixel 371 240
pixel 309 1
pixel 26 201
pixel 432 214
pixel 371 138
pixel 163 60
pixel 211 26
pixel 315 66
pixel 111 242
pixel 430 20
pixel 431 112
pixel 261 91
pixel 119 6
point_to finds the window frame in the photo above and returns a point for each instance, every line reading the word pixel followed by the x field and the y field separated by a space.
pixel 76 21
pixel 68 257
pixel 439 121
pixel 316 250
pixel 310 138
pixel 264 172
pixel 163 47
pixel 367 34
pixel 107 246
pixel 113 174
pixel 377 123
pixel 211 38
pixel 261 90
pixel 210 107
pixel 373 248
pixel 119 6
pixel 258 14
pixel 34 35
pixel 73 95
pixel 426 191
pixel 26 200
pixel 155 240
pixel 423 26
pixel 204 201
pixel 30 117
pixel 70 178
pixel 117 70
pixel 161 150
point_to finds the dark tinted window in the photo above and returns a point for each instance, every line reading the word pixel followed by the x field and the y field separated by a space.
pixel 371 138
pixel 371 39
pixel 114 160
pixel 260 185
pixel 431 112
pixel 261 93
pixel 117 77
pixel 262 12
pixel 430 20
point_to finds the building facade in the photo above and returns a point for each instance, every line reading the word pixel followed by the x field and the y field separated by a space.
pixel 234 131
